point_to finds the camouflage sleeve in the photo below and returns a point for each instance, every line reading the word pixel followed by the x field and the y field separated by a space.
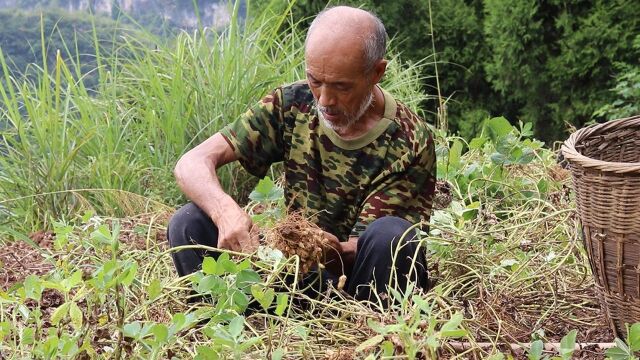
pixel 257 136
pixel 406 194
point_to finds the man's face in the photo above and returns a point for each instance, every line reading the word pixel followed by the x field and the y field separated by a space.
pixel 342 90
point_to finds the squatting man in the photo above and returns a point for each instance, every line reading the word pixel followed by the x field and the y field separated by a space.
pixel 352 154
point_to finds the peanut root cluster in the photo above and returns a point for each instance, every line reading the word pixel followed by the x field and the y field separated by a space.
pixel 296 235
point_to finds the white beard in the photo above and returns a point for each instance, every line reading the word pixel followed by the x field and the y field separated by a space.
pixel 350 120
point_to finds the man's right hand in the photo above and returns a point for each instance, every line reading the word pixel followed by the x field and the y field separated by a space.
pixel 235 229
pixel 196 176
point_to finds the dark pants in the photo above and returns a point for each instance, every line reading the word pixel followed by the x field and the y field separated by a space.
pixel 378 257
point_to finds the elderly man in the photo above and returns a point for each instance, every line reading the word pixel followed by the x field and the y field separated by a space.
pixel 353 155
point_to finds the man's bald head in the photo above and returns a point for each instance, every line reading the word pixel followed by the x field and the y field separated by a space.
pixel 353 25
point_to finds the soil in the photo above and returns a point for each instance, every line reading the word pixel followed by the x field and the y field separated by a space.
pixel 19 259
pixel 145 231
pixel 296 235
pixel 442 196
pixel 513 317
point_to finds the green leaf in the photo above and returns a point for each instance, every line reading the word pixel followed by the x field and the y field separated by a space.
pixel 130 274
pixel 102 235
pixel 277 354
pixel 302 331
pixel 454 154
pixel 377 327
pixel 88 214
pixel 76 315
pixel 24 311
pixel 257 291
pixel 266 191
pixel 154 289
pixel 60 313
pixel 477 143
pixel 620 352
pixel 33 287
pixel 246 344
pixel 634 337
pixel 209 266
pixel 206 353
pixel 453 323
pixel 543 186
pixel 160 332
pixel 508 263
pixel 370 343
pixel 244 265
pixel 496 356
pixel 281 303
pixel 227 265
pixel 432 342
pixel 178 322
pixel 497 128
pixel 132 330
pixel 535 351
pixel 240 300
pixel 72 281
pixel 5 330
pixel 27 336
pixel 498 158
pixel 387 348
pixel 568 344
pixel 246 278
pixel 471 211
pixel 267 299
pixel 526 129
pixel 211 283
pixel 236 326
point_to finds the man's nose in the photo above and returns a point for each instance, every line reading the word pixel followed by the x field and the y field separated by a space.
pixel 326 98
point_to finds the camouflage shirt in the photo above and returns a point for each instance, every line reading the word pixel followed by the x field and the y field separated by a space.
pixel 347 183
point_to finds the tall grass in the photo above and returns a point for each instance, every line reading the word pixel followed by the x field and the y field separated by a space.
pixel 112 149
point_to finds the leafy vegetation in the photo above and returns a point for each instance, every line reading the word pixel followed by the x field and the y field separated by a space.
pixel 24 33
pixel 504 257
pixel 550 64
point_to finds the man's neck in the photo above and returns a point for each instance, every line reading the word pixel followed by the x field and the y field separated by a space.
pixel 368 120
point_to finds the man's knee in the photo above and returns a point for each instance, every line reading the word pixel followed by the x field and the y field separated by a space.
pixel 385 233
pixel 184 223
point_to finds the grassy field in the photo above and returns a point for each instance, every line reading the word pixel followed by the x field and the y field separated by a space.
pixel 86 191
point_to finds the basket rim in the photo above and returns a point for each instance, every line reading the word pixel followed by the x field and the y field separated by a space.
pixel 570 153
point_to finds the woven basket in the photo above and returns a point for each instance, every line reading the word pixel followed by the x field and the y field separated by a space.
pixel 605 163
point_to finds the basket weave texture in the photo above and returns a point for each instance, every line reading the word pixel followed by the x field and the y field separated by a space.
pixel 605 164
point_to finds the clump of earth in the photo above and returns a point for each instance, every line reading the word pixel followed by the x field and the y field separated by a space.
pixel 297 235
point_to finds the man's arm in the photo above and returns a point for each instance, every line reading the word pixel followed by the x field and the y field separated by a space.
pixel 196 176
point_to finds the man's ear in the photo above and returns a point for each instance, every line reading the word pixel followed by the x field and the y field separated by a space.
pixel 378 70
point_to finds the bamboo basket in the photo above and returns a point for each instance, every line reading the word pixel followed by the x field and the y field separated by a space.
pixel 605 164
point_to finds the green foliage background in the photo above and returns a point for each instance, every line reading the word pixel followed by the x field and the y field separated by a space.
pixel 118 118
pixel 551 63
pixel 71 34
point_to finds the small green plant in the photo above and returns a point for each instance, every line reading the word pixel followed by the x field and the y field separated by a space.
pixel 626 350
pixel 417 330
pixel 567 347
pixel 267 204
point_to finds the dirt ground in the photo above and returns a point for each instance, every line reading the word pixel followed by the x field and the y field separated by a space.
pixel 19 259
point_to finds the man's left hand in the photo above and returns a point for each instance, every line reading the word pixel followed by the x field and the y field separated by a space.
pixel 340 256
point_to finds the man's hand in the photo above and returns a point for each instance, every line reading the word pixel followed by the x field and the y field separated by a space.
pixel 196 176
pixel 340 256
pixel 236 231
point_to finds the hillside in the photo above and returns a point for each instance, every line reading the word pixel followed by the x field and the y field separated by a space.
pixel 178 13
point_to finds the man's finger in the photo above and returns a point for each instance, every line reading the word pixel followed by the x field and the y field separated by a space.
pixel 229 243
pixel 245 242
